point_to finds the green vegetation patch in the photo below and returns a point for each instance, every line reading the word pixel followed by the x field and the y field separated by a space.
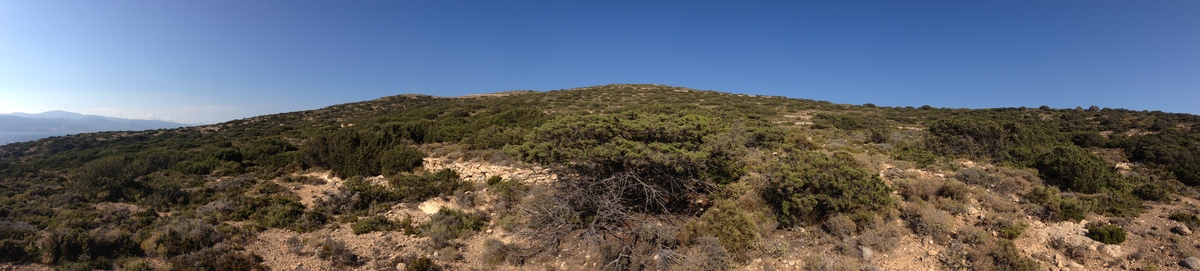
pixel 809 187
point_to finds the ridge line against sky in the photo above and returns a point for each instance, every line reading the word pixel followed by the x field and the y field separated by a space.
pixel 213 61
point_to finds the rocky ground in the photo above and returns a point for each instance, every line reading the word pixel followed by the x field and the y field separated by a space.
pixel 1154 242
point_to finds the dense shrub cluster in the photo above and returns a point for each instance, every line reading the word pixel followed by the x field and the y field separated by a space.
pixel 808 187
pixel 657 156
pixel 1107 233
pixel 351 152
pixel 1075 169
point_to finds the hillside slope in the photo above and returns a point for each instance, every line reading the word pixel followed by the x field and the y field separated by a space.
pixel 615 177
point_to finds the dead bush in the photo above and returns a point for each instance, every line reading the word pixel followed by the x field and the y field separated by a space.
pixel 705 254
pixel 840 226
pixel 922 189
pixel 955 190
pixel 882 239
pixel 336 252
pixel 928 221
pixel 827 262
pixel 494 251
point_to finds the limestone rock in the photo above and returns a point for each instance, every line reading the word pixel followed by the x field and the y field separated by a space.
pixel 866 253
pixel 1181 230
pixel 1191 263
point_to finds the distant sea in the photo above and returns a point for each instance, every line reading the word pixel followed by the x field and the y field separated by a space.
pixel 6 138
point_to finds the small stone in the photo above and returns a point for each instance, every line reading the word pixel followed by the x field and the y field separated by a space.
pixel 1111 250
pixel 489 231
pixel 933 253
pixel 1191 263
pixel 1181 230
pixel 866 253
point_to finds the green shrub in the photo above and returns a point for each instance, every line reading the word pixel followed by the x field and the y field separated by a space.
pixel 1118 203
pixel 1075 169
pixel 402 158
pixel 844 122
pixel 733 227
pixel 972 138
pixel 289 214
pixel 672 152
pixel 495 179
pixel 1071 209
pixel 919 156
pixel 420 187
pixel 1013 231
pixel 1108 234
pixel 373 223
pixel 809 187
pixel 229 154
pixel 1152 191
pixel 1006 256
pixel 18 242
pixel 449 224
pixel 1191 220
pixel 508 191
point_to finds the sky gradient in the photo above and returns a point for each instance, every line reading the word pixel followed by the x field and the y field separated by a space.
pixel 213 61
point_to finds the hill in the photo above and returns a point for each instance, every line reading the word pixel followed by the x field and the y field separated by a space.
pixel 629 177
pixel 18 127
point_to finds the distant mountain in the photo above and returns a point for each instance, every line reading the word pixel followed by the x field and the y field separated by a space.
pixel 25 126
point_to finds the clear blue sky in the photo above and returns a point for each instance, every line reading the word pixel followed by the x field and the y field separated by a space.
pixel 211 61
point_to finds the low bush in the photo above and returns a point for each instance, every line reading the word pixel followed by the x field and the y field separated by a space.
pixel 1108 234
pixel 883 238
pixel 289 214
pixel 335 251
pixel 18 242
pixel 449 224
pixel 215 258
pixel 181 236
pixel 918 189
pixel 1013 231
pixel 705 254
pixel 840 226
pixel 929 221
pixel 733 227
pixel 494 251
pixel 373 223
pixel 1153 191
pixel 1189 219
pixel 509 191
pixel 420 187
pixel 419 263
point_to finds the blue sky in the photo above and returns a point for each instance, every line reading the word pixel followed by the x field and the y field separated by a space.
pixel 212 61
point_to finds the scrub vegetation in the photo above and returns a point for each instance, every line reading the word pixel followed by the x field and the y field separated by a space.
pixel 649 177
